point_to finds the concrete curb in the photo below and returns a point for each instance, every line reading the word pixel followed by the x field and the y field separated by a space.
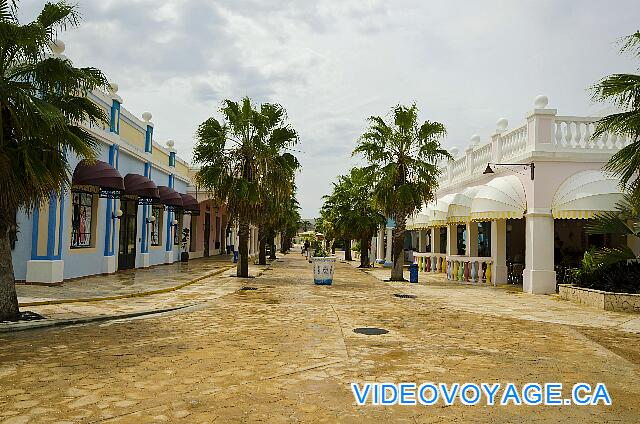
pixel 34 325
pixel 127 296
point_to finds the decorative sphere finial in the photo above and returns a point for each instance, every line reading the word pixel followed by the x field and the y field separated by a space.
pixel 454 152
pixel 57 46
pixel 146 116
pixel 170 144
pixel 540 102
pixel 113 88
pixel 502 124
pixel 475 140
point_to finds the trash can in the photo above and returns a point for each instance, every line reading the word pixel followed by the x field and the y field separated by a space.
pixel 323 269
pixel 235 256
pixel 413 273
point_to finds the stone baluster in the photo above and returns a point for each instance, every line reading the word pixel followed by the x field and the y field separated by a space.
pixel 474 271
pixel 466 271
pixel 559 133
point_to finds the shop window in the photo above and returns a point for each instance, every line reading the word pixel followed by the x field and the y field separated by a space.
pixel 156 226
pixel 81 220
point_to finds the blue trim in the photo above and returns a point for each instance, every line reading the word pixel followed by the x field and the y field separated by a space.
pixel 113 232
pixel 148 140
pixel 34 233
pixel 169 241
pixel 115 117
pixel 172 159
pixel 108 219
pixel 171 180
pixel 61 227
pixel 144 247
pixel 51 226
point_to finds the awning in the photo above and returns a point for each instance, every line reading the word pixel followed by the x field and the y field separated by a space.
pixel 460 206
pixel 500 198
pixel 583 195
pixel 97 177
pixel 190 205
pixel 142 187
pixel 437 211
pixel 170 198
pixel 418 222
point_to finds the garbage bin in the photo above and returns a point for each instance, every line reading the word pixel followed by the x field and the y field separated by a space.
pixel 413 273
pixel 323 269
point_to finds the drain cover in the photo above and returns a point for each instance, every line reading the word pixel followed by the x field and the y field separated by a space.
pixel 249 288
pixel 405 296
pixel 370 331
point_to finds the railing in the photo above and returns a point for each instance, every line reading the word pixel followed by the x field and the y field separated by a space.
pixel 469 269
pixel 575 132
pixel 476 270
pixel 481 157
pixel 458 168
pixel 513 142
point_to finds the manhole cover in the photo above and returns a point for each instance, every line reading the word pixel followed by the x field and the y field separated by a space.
pixel 245 288
pixel 405 296
pixel 370 331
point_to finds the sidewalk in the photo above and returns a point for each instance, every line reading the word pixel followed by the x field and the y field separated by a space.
pixel 164 288
pixel 508 301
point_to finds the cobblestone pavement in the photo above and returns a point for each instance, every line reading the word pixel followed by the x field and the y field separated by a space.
pixel 123 282
pixel 286 352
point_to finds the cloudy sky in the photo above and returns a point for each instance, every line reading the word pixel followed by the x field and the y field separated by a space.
pixel 333 63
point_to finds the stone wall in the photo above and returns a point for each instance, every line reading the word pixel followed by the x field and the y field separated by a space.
pixel 621 302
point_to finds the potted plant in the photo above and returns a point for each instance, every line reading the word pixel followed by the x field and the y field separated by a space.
pixel 184 256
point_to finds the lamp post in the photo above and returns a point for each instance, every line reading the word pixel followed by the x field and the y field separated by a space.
pixel 526 166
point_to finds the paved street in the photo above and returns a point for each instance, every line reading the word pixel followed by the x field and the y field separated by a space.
pixel 286 352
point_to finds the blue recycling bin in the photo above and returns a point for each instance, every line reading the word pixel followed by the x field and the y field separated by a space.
pixel 413 273
pixel 235 256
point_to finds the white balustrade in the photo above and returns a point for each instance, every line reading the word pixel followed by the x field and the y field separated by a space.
pixel 575 132
pixel 482 156
pixel 514 142
pixel 476 270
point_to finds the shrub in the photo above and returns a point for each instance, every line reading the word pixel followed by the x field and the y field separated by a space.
pixel 622 277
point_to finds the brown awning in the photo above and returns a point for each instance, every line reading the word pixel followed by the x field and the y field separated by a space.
pixel 97 176
pixel 169 197
pixel 189 204
pixel 141 186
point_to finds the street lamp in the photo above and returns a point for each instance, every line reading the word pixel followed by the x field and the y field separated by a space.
pixel 526 166
pixel 117 214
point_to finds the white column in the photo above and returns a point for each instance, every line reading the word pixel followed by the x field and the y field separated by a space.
pixel 633 242
pixel 435 240
pixel 472 239
pixel 372 249
pixel 387 258
pixel 452 240
pixel 539 276
pixel 380 245
pixel 421 240
pixel 499 251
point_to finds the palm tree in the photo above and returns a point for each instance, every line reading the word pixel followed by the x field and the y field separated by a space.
pixel 43 112
pixel 623 90
pixel 402 155
pixel 626 222
pixel 243 162
pixel 352 210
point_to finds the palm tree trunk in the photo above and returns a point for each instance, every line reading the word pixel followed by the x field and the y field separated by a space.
pixel 272 243
pixel 243 250
pixel 347 250
pixel 262 244
pixel 8 298
pixel 397 272
pixel 364 252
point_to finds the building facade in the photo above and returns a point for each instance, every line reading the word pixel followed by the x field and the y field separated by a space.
pixel 522 223
pixel 130 209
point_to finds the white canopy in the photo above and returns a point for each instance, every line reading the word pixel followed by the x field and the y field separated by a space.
pixel 500 198
pixel 437 211
pixel 460 206
pixel 584 194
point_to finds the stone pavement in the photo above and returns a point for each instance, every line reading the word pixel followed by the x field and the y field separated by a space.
pixel 286 352
pixel 509 301
pixel 153 290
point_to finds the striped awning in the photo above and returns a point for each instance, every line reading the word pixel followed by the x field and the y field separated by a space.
pixel 500 198
pixel 583 195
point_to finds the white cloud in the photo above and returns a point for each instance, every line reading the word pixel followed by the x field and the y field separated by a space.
pixel 333 63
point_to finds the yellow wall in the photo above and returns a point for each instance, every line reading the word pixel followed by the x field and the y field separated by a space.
pixel 182 170
pixel 131 134
pixel 160 157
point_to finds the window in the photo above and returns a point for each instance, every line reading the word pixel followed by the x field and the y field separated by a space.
pixel 484 238
pixel 177 232
pixel 156 226
pixel 81 220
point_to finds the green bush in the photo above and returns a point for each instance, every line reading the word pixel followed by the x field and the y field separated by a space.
pixel 621 277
